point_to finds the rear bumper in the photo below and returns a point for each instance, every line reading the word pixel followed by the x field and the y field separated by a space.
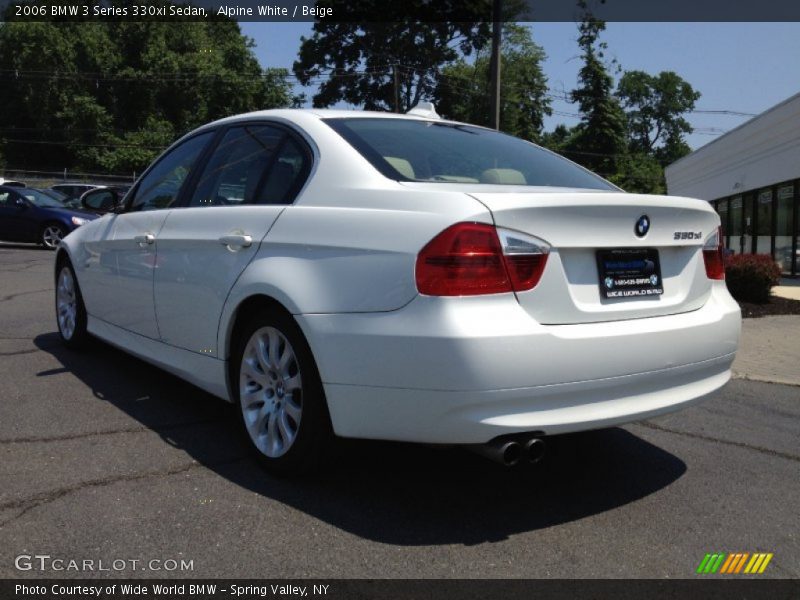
pixel 476 417
pixel 465 370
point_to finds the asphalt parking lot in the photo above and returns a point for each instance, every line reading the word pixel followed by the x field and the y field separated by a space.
pixel 106 458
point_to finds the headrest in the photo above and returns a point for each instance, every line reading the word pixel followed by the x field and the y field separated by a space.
pixel 402 166
pixel 503 176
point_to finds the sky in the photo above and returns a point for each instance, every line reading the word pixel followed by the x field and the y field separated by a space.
pixel 741 67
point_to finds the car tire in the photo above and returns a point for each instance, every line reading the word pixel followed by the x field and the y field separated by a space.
pixel 279 395
pixel 70 309
pixel 51 235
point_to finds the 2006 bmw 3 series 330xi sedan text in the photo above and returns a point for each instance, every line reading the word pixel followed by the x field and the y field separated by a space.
pixel 402 277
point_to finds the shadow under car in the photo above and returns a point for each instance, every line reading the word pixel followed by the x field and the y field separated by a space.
pixel 394 493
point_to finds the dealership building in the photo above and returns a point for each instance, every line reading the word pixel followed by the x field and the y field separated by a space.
pixel 751 175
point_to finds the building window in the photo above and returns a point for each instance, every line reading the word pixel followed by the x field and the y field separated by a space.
pixel 763 224
pixel 783 226
pixel 748 235
pixel 722 209
pixel 735 240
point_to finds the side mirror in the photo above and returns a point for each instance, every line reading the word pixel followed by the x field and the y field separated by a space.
pixel 101 201
pixel 21 204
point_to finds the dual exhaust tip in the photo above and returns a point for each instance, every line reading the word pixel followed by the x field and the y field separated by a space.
pixel 510 452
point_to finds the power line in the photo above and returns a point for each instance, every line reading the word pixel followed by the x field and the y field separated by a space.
pixel 82 145
pixel 265 74
pixel 734 113
pixel 471 86
pixel 312 77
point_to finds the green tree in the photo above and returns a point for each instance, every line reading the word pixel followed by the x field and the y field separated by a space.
pixel 133 150
pixel 599 140
pixel 640 173
pixel 463 91
pixel 558 139
pixel 654 107
pixel 365 64
pixel 110 96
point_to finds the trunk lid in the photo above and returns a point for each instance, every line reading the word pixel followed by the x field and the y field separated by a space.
pixel 579 224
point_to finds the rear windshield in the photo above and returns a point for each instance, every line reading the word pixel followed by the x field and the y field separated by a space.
pixel 413 150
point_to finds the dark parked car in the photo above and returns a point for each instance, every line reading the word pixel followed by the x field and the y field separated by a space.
pixel 29 215
pixel 73 190
pixel 60 196
pixel 104 199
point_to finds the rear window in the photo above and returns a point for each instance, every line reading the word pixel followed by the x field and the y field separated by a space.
pixel 412 150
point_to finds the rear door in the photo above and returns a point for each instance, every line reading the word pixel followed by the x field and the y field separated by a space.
pixel 204 246
pixel 605 248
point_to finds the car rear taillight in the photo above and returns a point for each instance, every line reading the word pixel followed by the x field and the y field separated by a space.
pixel 712 256
pixel 525 257
pixel 470 259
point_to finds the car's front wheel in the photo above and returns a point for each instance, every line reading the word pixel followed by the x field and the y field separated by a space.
pixel 70 310
pixel 280 396
pixel 52 234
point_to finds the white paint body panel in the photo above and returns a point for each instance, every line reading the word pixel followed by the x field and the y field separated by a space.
pixel 196 271
pixel 206 372
pixel 116 272
pixel 464 370
pixel 398 365
pixel 578 223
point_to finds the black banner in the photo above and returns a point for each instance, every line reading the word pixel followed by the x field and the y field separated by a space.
pixel 411 10
pixel 452 589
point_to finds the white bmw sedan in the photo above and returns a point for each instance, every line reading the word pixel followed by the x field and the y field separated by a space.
pixel 402 277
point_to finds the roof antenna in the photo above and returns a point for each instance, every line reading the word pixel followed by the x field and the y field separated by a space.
pixel 424 109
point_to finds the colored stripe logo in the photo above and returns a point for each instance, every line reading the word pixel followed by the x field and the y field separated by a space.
pixel 734 563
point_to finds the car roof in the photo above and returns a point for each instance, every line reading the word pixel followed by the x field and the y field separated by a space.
pixel 111 186
pixel 294 114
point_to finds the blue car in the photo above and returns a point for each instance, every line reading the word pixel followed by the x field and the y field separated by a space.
pixel 28 215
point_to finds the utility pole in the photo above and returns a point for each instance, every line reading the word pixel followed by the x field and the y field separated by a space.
pixel 494 67
pixel 396 89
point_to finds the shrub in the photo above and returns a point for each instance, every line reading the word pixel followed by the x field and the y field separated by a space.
pixel 751 276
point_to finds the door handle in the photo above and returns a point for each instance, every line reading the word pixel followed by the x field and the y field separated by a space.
pixel 236 241
pixel 145 239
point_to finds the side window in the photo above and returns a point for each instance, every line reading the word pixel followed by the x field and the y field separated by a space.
pixel 5 199
pixel 235 169
pixel 287 171
pixel 160 187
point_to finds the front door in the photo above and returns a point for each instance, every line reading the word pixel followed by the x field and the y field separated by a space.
pixel 17 222
pixel 124 258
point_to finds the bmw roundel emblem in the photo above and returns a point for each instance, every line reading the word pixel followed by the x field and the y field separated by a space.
pixel 642 226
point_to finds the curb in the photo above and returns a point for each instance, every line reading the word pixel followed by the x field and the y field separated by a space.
pixel 763 379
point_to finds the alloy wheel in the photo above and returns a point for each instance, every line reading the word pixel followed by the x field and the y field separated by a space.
pixel 66 303
pixel 51 236
pixel 270 389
